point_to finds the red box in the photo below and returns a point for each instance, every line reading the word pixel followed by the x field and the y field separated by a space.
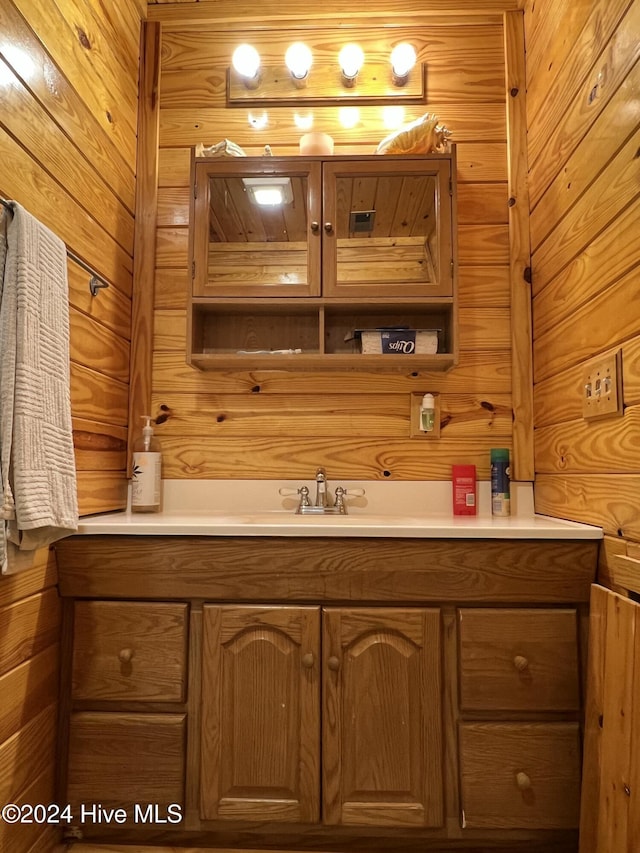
pixel 465 499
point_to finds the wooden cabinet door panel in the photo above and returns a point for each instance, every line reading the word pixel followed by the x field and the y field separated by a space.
pixel 520 775
pixel 260 713
pixel 118 759
pixel 130 651
pixel 610 817
pixel 382 735
pixel 518 659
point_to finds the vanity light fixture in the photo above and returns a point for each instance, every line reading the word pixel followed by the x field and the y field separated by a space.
pixel 351 59
pixel 246 63
pixel 273 191
pixel 403 58
pixel 298 60
pixel 251 83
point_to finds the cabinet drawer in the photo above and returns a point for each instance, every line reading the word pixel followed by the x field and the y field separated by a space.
pixel 120 759
pixel 129 651
pixel 518 660
pixel 520 775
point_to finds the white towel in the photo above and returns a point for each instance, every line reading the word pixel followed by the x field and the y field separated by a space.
pixel 38 484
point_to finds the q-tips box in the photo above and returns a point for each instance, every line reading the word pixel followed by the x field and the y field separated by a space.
pixel 399 341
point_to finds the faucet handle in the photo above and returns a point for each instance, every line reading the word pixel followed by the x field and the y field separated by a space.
pixel 303 491
pixel 354 493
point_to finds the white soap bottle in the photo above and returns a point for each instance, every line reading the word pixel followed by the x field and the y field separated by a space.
pixel 146 476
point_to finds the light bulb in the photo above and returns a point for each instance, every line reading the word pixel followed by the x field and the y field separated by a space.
pixel 246 61
pixel 403 58
pixel 298 59
pixel 351 59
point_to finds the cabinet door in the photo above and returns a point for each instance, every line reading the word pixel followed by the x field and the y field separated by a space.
pixel 260 714
pixel 388 228
pixel 382 719
pixel 610 816
pixel 241 247
pixel 119 759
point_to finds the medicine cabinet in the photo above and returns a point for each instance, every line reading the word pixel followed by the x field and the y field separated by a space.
pixel 293 259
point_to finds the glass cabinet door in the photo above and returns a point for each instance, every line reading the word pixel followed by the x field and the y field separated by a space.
pixel 387 228
pixel 256 229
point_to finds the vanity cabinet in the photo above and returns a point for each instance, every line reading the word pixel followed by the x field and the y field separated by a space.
pixel 127 730
pixel 519 667
pixel 293 695
pixel 326 692
pixel 357 243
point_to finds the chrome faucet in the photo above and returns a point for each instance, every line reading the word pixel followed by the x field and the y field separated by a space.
pixel 321 488
pixel 323 502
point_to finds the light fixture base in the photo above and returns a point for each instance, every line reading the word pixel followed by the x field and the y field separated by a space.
pixel 373 85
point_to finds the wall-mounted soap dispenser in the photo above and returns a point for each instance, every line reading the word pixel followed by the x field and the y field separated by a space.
pixel 425 415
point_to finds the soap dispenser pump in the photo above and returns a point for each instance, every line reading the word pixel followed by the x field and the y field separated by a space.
pixel 146 475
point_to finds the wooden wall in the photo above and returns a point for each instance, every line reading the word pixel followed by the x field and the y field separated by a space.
pixel 270 424
pixel 583 78
pixel 69 89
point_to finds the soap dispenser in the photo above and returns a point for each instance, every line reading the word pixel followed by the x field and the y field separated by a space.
pixel 146 476
pixel 428 413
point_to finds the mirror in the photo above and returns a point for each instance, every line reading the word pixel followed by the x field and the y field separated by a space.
pixel 257 232
pixel 387 230
pixel 347 227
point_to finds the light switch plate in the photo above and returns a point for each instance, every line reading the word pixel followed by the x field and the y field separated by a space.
pixel 602 387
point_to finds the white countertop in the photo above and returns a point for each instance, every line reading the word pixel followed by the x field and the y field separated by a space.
pixel 281 523
pixel 409 510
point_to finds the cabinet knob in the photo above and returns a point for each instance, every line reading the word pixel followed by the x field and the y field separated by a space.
pixel 315 227
pixel 307 660
pixel 328 227
pixel 521 663
pixel 125 655
pixel 523 781
pixel 333 663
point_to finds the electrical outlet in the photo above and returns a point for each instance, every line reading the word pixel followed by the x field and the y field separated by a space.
pixel 601 387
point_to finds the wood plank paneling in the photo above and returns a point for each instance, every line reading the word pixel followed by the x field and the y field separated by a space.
pixel 582 83
pixel 66 108
pixel 67 142
pixel 31 625
pixel 73 41
pixel 257 424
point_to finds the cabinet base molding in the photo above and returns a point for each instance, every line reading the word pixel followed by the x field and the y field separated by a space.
pixel 391 842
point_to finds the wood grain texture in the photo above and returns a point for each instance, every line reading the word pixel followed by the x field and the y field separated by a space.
pixel 276 569
pixel 606 500
pixel 118 759
pixel 594 704
pixel 523 465
pixel 518 660
pixel 261 713
pixel 546 754
pixel 382 764
pixel 581 76
pixel 146 206
pixel 76 45
pixel 32 624
pixel 33 837
pixel 28 753
pixel 273 12
pixel 129 651
pixel 67 109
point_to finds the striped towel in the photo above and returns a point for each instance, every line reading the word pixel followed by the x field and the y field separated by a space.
pixel 38 496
